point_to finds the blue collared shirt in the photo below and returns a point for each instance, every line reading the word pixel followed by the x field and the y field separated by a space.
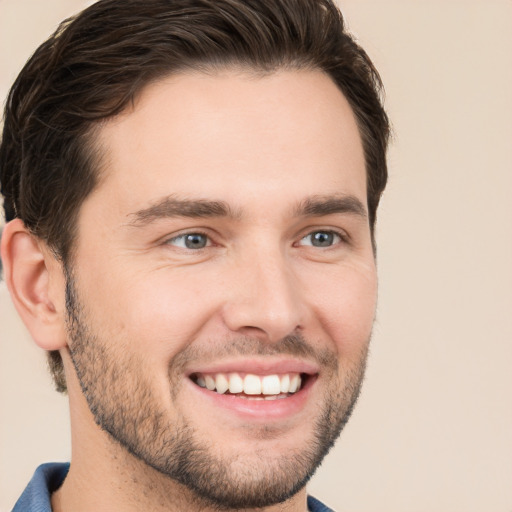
pixel 49 477
pixel 36 496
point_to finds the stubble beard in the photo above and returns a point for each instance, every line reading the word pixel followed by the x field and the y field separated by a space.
pixel 120 398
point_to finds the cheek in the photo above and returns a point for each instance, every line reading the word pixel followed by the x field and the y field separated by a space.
pixel 155 314
pixel 345 305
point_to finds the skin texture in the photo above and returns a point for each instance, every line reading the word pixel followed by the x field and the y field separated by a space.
pixel 144 310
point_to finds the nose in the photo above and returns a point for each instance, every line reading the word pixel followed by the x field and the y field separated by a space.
pixel 264 297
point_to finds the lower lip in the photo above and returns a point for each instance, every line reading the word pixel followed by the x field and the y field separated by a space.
pixel 277 409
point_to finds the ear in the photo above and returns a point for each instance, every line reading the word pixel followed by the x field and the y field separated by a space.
pixel 36 283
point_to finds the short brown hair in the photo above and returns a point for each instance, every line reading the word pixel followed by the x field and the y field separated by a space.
pixel 96 63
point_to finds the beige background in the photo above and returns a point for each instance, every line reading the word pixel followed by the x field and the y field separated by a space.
pixel 433 429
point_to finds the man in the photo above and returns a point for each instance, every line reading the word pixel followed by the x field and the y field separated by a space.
pixel 191 190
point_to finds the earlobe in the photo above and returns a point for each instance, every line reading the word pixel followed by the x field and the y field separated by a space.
pixel 29 275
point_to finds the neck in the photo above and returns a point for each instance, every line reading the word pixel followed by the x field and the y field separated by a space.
pixel 130 486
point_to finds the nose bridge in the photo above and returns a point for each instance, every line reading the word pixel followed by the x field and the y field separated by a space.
pixel 264 298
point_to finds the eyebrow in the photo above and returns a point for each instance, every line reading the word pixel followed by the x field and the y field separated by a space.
pixel 171 206
pixel 317 206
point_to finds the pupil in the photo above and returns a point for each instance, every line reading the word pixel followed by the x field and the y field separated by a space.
pixel 322 239
pixel 195 241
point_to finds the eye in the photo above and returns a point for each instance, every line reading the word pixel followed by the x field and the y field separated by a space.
pixel 190 241
pixel 321 239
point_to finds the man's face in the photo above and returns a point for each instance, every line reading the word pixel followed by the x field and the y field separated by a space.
pixel 227 245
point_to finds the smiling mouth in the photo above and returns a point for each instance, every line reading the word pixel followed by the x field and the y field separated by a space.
pixel 251 386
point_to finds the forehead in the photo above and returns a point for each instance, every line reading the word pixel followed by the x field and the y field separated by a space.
pixel 234 136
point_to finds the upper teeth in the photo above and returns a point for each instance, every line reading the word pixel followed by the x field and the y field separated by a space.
pixel 250 384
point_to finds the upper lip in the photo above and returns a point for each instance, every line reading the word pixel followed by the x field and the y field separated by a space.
pixel 257 366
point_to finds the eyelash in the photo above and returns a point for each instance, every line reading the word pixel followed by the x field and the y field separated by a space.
pixel 341 236
pixel 191 233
